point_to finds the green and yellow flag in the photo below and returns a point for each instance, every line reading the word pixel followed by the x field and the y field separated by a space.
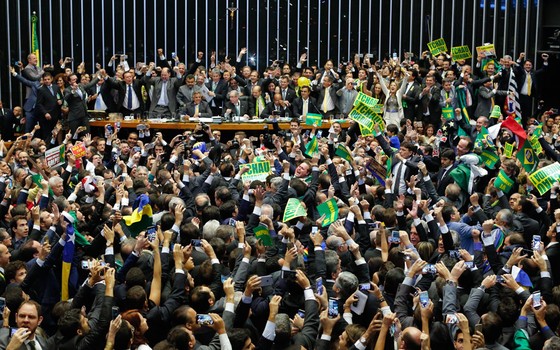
pixel 312 147
pixel 35 38
pixel 527 157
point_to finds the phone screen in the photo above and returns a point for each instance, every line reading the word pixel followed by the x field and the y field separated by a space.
pixel 333 308
pixel 424 299
pixel 319 285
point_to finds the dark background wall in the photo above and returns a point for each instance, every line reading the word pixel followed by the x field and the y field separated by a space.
pixel 92 30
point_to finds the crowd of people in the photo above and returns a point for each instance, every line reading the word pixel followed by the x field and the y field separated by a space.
pixel 151 241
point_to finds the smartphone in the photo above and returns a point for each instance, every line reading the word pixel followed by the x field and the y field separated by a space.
pixel 231 222
pixel 430 268
pixel 2 304
pixel 289 275
pixel 314 229
pixel 333 308
pixel 319 285
pixel 364 287
pixel 204 320
pixel 136 149
pixel 85 265
pixel 536 242
pixel 13 331
pixel 117 126
pixel 373 225
pixel 359 306
pixel 469 264
pixel 24 137
pixel 537 299
pixel 266 281
pixel 173 55
pixel 500 279
pixel 451 319
pixel 223 278
pixel 478 327
pixel 196 242
pixel 454 254
pixel 151 233
pixel 424 299
pixel 301 313
pixel 115 311
pixel 395 237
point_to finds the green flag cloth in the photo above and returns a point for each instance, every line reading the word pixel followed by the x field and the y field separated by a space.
pixel 489 158
pixel 313 119
pixel 527 157
pixel 343 152
pixel 263 234
pixel 312 147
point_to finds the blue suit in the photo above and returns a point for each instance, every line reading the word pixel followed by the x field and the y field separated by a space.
pixel 29 104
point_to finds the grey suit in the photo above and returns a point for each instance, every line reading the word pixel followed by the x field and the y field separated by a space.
pixel 203 109
pixel 77 107
pixel 485 96
pixel 5 340
pixel 173 85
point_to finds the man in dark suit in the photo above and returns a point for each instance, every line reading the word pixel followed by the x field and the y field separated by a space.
pixel 7 121
pixel 100 96
pixel 253 81
pixel 164 97
pixel 327 98
pixel 29 104
pixel 430 110
pixel 288 94
pixel 553 252
pixel 486 100
pixel 75 96
pixel 184 95
pixel 218 91
pixel 48 106
pixel 238 107
pixel 443 177
pixel 526 79
pixel 276 107
pixel 304 104
pixel 410 95
pixel 28 320
pixel 405 162
pixel 198 108
pixel 129 89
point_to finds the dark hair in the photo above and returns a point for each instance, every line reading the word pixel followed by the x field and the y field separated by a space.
pixel 135 277
pixel 393 279
pixel 199 299
pixel 135 298
pixel 123 337
pixel 410 146
pixel 491 327
pixel 135 319
pixel 238 337
pixel 69 323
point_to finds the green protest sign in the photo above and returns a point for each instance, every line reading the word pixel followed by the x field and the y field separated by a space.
pixel 343 152
pixel 544 178
pixel 362 119
pixel 503 182
pixel 294 209
pixel 489 158
pixel 461 52
pixel 262 233
pixel 313 119
pixel 508 150
pixel 257 171
pixel 496 112
pixel 535 144
pixel 330 210
pixel 448 113
pixel 365 99
pixel 378 109
pixel 37 178
pixel 365 131
pixel 437 46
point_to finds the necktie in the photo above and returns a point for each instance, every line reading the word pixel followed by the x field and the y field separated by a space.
pixel 98 102
pixel 529 83
pixel 196 110
pixel 31 345
pixel 284 94
pixel 237 109
pixel 163 98
pixel 51 90
pixel 398 179
pixel 468 97
pixel 325 110
pixel 446 97
pixel 305 107
pixel 129 102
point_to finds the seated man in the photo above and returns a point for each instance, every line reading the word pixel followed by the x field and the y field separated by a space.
pixel 197 108
pixel 276 107
pixel 237 107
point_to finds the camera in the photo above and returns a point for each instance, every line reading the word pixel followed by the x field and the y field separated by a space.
pixel 205 126
pixel 234 144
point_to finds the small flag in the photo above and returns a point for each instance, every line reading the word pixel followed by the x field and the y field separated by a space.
pixel 312 147
pixel 343 152
pixel 141 217
pixel 67 255
pixel 511 124
pixel 263 234
pixel 35 38
pixel 465 174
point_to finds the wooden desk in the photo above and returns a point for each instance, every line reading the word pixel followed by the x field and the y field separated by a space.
pixel 132 124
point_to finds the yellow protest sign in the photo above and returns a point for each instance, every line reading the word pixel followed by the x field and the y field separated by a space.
pixel 544 178
pixel 461 52
pixel 437 46
pixel 257 171
pixel 486 50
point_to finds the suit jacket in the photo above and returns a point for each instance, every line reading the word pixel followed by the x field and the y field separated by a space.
pixel 270 107
pixel 220 91
pixel 122 87
pixel 444 95
pixel 430 103
pixel 173 85
pixel 7 121
pixel 411 166
pixel 297 106
pixel 204 109
pixel 410 100
pixel 521 77
pixel 485 96
pixel 48 103
pixel 249 87
pixel 30 98
pixel 31 73
pixel 443 181
pixel 290 94
pixel 77 107
pixel 5 340
pixel 553 253
pixel 244 108
pixel 184 96
pixel 321 96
